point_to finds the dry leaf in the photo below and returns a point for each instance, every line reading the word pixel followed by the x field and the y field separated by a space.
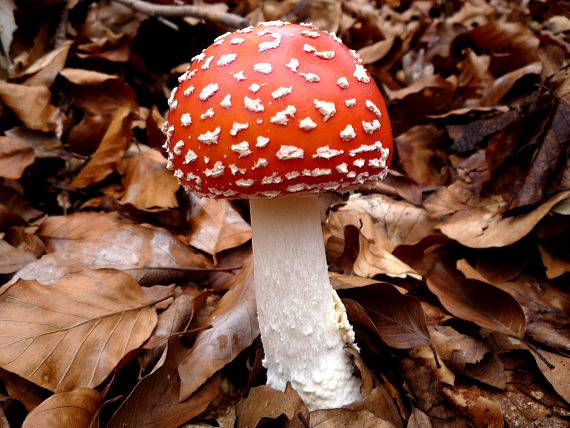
pixel 480 410
pixel 396 318
pixel 110 151
pixel 481 228
pixel 264 402
pixel 347 418
pixel 154 401
pixel 15 156
pixel 148 184
pixel 72 333
pixel 559 376
pixel 476 301
pixel 13 259
pixel 73 409
pixel 31 104
pixel 90 240
pixel 217 226
pixel 234 327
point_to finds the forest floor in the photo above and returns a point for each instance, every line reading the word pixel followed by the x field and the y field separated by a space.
pixel 127 302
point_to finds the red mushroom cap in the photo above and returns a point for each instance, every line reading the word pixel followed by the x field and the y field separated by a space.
pixel 276 109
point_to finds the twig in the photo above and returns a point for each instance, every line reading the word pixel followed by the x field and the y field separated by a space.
pixel 174 11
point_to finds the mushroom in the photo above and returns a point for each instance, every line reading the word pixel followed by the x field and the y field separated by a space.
pixel 277 113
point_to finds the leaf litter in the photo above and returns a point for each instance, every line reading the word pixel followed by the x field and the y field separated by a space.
pixel 126 301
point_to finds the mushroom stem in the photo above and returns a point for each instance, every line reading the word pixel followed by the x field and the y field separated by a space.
pixel 303 324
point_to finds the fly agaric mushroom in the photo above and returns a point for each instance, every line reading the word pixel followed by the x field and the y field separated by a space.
pixel 277 113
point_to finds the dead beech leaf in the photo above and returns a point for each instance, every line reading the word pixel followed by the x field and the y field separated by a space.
pixel 15 156
pixel 44 71
pixel 374 248
pixel 559 376
pixel 148 184
pixel 110 151
pixel 234 327
pixel 555 266
pixel 334 418
pixel 72 333
pixel 217 226
pixel 476 301
pixel 72 409
pixel 399 221
pixel 31 104
pixel 396 318
pixel 154 400
pixel 376 51
pixel 481 228
pixel 13 259
pixel 91 240
pixel 480 410
pixel 373 260
pixel 98 93
pixel 264 402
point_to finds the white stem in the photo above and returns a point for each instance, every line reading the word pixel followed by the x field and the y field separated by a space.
pixel 303 323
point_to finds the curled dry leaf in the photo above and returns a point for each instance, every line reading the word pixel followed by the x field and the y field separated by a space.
pixel 399 221
pixel 110 151
pixel 44 71
pixel 98 93
pixel 397 319
pixel 476 301
pixel 480 410
pixel 72 409
pixel 217 226
pixel 31 104
pixel 15 156
pixel 374 252
pixel 347 418
pixel 481 228
pixel 72 333
pixel 154 401
pixel 559 375
pixel 264 402
pixel 234 327
pixel 91 240
pixel 12 259
pixel 148 185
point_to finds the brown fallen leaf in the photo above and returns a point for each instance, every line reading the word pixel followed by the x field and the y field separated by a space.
pixel 71 334
pixel 476 301
pixel 555 265
pixel 31 104
pixel 92 240
pixel 154 400
pixel 73 409
pixel 481 228
pixel 480 410
pixel 13 259
pixel 234 327
pixel 45 69
pixel 347 418
pixel 15 156
pixel 110 151
pixel 216 225
pixel 396 318
pixel 559 375
pixel 399 221
pixel 264 402
pixel 347 227
pixel 148 185
pixel 28 393
pixel 98 93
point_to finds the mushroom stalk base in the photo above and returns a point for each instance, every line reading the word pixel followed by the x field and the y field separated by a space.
pixel 303 324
